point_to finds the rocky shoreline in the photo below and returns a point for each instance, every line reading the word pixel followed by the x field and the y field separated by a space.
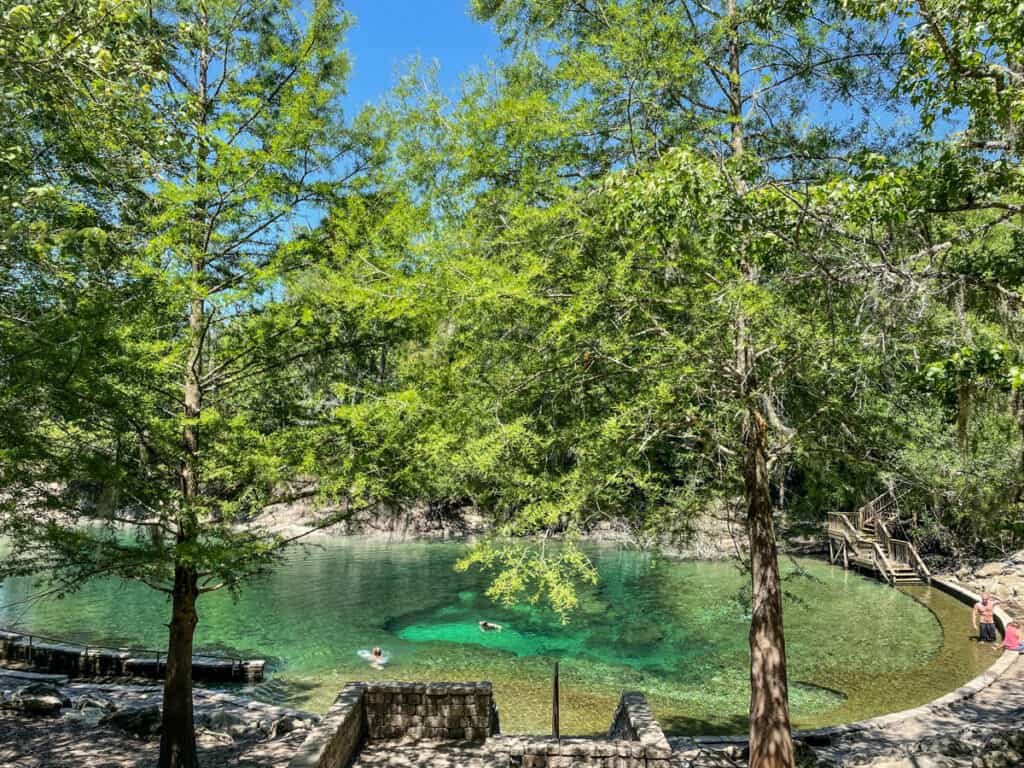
pixel 713 535
pixel 1002 578
pixel 48 722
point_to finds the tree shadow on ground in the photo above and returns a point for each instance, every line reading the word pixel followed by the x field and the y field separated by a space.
pixel 680 725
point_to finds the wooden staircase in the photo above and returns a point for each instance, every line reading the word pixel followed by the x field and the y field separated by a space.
pixel 862 540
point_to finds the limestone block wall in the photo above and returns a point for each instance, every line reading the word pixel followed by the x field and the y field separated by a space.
pixel 635 740
pixel 635 721
pixel 381 711
pixel 536 752
pixel 336 741
pixel 450 711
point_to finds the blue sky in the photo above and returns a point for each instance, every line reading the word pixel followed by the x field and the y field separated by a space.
pixel 388 33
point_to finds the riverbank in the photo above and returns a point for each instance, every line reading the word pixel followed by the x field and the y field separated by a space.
pixel 1002 578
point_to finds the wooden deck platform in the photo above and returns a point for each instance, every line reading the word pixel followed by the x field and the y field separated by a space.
pixel 862 540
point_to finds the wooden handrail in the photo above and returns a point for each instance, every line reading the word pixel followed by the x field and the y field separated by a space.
pixel 842 524
pixel 903 551
pixel 919 565
pixel 883 536
pixel 883 548
pixel 900 550
pixel 885 567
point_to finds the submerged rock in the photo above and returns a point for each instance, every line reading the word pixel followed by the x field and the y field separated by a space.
pixel 642 633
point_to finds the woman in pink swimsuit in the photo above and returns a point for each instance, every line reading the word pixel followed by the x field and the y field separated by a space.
pixel 1012 640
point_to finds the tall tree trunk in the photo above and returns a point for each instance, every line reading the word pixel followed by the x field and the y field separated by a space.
pixel 963 417
pixel 178 738
pixel 771 742
pixel 1018 412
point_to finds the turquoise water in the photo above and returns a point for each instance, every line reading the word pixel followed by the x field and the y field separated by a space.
pixel 674 629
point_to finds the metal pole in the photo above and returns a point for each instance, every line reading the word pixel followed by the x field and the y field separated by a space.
pixel 554 707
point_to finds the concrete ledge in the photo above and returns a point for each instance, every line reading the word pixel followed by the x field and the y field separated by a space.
pixel 634 721
pixel 547 752
pixel 966 691
pixel 336 741
pixel 31 653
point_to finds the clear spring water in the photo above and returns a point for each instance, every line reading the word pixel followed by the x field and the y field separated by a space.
pixel 676 630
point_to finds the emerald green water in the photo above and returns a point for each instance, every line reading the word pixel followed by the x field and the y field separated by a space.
pixel 676 630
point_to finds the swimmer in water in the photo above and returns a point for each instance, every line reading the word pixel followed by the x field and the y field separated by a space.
pixel 487 626
pixel 376 657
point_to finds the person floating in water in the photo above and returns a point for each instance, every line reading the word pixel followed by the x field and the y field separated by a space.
pixel 984 609
pixel 376 657
pixel 487 626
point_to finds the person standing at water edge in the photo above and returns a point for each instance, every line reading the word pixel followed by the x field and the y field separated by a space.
pixel 987 633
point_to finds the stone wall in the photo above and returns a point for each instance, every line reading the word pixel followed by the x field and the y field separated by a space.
pixel 635 740
pixel 383 711
pixel 336 741
pixel 465 712
pixel 379 711
pixel 448 711
pixel 28 652
pixel 635 721
pixel 537 752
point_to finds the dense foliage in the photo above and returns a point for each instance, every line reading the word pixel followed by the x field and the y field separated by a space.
pixel 759 255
